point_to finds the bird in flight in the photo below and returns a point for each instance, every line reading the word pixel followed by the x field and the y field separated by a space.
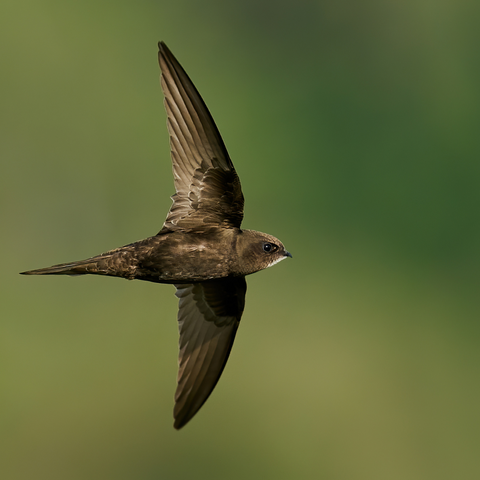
pixel 200 249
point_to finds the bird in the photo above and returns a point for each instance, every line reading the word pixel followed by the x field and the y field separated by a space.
pixel 200 249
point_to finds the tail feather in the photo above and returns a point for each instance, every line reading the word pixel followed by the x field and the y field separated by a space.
pixel 94 265
pixel 121 262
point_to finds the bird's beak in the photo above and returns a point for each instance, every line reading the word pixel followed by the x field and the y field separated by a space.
pixel 288 254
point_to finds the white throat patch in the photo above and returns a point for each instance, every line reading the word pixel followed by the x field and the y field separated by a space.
pixel 274 262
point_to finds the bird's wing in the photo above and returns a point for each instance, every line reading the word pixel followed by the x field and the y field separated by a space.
pixel 208 318
pixel 208 191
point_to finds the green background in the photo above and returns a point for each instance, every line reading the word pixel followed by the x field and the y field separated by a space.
pixel 354 127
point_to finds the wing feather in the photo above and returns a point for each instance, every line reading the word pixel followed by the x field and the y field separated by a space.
pixel 208 318
pixel 208 190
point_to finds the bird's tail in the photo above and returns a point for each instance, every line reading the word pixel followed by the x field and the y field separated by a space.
pixel 98 265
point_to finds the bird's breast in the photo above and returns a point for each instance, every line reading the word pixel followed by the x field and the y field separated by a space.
pixel 183 258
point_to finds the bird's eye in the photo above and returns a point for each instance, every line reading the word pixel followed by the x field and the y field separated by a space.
pixel 269 247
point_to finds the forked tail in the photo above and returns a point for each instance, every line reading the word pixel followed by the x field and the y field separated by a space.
pixel 95 265
pixel 125 262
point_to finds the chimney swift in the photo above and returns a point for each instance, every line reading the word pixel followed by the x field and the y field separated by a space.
pixel 200 248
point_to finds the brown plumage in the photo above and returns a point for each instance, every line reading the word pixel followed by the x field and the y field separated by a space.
pixel 200 249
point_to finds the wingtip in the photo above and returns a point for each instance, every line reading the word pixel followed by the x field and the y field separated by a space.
pixel 176 426
pixel 162 48
pixel 180 419
pixel 180 422
pixel 163 53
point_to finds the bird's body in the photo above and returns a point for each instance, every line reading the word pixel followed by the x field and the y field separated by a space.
pixel 200 249
pixel 173 257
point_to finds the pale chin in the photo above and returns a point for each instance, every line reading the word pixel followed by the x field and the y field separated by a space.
pixel 274 262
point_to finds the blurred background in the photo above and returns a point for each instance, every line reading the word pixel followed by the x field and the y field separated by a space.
pixel 354 127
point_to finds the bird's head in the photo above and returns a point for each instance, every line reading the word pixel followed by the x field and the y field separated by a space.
pixel 258 251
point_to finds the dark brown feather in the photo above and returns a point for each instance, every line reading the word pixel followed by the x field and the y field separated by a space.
pixel 208 191
pixel 208 318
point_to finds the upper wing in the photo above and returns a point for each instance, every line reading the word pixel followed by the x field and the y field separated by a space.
pixel 208 188
pixel 208 318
